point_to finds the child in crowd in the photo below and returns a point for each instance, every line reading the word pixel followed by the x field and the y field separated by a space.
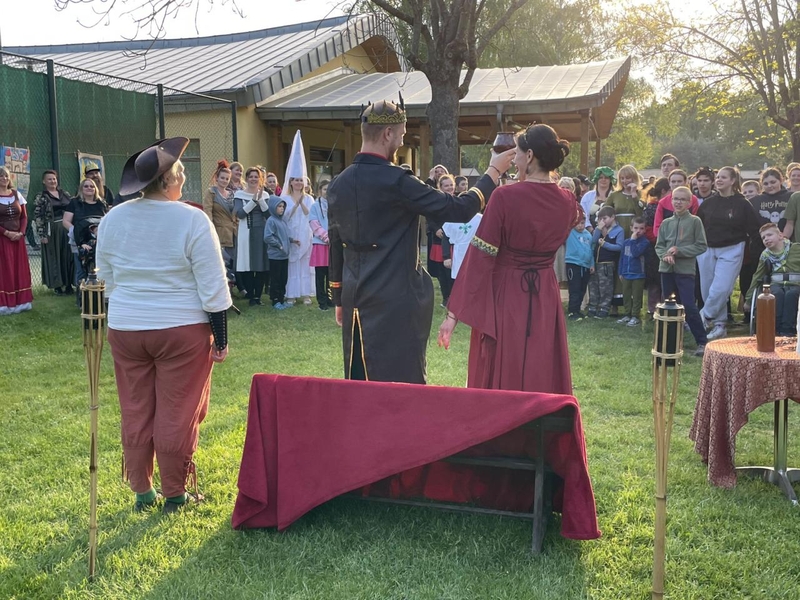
pixel 436 266
pixel 652 278
pixel 631 273
pixel 580 266
pixel 751 189
pixel 779 267
pixel 681 238
pixel 318 220
pixel 606 245
pixel 276 237
pixel 86 240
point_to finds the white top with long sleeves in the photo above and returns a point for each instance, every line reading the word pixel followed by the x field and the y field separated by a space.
pixel 162 265
pixel 460 236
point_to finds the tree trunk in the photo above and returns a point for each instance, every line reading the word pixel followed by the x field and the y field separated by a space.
pixel 443 120
pixel 795 135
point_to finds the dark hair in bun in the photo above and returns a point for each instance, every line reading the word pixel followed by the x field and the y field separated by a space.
pixel 547 147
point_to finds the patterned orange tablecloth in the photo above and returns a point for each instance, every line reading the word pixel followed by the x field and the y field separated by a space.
pixel 736 379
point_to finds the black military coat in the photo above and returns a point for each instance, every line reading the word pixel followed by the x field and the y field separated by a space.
pixel 374 210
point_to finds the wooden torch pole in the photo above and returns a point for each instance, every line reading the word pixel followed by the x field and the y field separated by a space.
pixel 93 316
pixel 667 353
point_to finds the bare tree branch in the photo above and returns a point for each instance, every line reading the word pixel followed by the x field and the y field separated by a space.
pixel 751 42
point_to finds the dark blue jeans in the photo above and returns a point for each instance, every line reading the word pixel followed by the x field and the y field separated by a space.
pixel 578 278
pixel 80 272
pixel 683 287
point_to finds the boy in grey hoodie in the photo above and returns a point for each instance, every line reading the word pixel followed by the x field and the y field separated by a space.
pixel 276 237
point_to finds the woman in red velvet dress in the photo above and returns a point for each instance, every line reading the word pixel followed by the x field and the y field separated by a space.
pixel 507 289
pixel 15 271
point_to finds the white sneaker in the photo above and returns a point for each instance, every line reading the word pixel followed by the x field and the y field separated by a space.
pixel 717 332
pixel 634 322
pixel 623 320
pixel 308 301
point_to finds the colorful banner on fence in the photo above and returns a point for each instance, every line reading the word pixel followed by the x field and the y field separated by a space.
pixel 18 161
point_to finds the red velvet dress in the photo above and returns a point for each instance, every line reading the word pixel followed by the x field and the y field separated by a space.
pixel 15 272
pixel 507 291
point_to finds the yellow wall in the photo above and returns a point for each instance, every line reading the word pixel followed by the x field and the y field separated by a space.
pixel 252 133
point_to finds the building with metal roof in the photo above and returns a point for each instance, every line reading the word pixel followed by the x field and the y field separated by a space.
pixel 315 77
pixel 249 67
pixel 580 101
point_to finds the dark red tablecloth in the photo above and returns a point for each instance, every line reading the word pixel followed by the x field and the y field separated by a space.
pixel 737 379
pixel 309 440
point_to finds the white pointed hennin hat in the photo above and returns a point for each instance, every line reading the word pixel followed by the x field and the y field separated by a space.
pixel 297 163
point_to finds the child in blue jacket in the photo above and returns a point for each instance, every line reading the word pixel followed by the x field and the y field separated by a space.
pixel 580 266
pixel 631 272
pixel 607 241
pixel 276 237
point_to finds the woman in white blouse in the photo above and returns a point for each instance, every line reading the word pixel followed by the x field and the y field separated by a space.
pixel 166 284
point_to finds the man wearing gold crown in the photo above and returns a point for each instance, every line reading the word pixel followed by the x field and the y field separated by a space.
pixel 383 296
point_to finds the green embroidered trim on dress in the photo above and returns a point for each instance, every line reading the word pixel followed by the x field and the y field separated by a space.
pixel 484 246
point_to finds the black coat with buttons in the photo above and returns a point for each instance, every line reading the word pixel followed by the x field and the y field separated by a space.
pixel 375 271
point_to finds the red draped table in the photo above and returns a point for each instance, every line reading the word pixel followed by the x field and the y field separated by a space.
pixel 736 379
pixel 309 440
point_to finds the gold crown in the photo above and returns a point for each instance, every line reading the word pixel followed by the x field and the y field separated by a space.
pixel 393 119
pixel 393 114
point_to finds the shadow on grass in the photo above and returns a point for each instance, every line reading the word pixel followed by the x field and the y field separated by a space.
pixel 64 567
pixel 348 549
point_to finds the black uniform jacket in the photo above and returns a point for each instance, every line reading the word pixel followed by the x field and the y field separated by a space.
pixel 374 210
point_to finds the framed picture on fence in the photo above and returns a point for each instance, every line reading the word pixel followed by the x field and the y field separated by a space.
pixel 18 161
pixel 90 162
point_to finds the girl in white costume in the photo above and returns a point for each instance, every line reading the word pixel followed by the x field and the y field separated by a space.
pixel 298 205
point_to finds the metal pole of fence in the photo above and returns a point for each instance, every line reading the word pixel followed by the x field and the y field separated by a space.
pixel 162 126
pixel 51 96
pixel 234 133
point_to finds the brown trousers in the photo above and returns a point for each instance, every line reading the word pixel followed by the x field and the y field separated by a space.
pixel 164 380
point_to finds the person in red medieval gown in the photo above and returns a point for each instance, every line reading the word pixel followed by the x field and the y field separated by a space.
pixel 15 272
pixel 506 289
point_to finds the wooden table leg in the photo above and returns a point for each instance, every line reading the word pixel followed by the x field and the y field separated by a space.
pixel 778 474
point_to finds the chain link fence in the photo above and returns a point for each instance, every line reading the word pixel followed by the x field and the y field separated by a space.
pixel 57 112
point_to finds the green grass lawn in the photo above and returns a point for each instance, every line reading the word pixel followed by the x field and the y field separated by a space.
pixel 721 544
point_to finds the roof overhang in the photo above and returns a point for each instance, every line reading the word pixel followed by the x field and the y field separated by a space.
pixel 558 95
